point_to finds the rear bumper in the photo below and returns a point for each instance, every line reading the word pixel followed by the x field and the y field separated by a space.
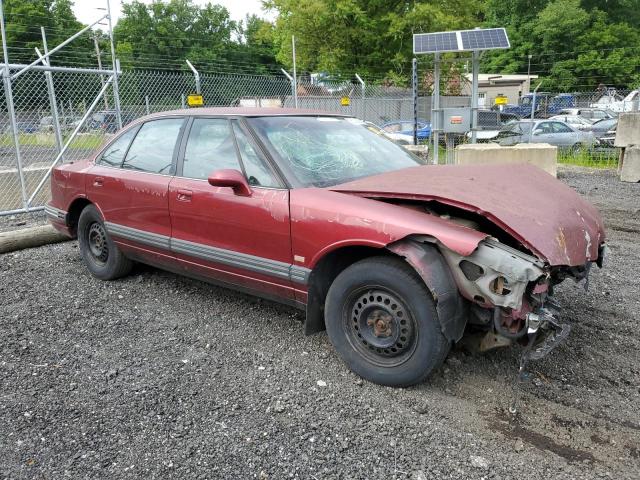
pixel 58 219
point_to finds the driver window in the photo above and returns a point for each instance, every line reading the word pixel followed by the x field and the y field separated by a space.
pixel 210 147
pixel 258 174
pixel 543 128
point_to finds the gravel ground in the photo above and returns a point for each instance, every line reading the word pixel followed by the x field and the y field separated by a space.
pixel 158 376
pixel 22 220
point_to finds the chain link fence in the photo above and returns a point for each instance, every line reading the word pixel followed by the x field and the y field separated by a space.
pixel 43 125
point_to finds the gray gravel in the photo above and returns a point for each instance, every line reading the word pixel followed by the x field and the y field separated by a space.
pixel 22 220
pixel 158 376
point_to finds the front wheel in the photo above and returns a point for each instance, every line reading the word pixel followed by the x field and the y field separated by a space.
pixel 101 256
pixel 383 322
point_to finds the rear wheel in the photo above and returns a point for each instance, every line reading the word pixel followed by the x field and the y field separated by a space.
pixel 382 321
pixel 101 256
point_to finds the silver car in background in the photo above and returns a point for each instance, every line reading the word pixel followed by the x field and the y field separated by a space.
pixel 553 132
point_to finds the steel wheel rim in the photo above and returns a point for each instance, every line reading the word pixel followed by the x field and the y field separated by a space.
pixel 379 326
pixel 97 241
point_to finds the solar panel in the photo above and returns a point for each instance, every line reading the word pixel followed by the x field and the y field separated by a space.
pixel 486 39
pixel 435 42
pixel 459 41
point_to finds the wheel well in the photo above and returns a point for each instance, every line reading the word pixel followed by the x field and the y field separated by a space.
pixel 323 275
pixel 73 215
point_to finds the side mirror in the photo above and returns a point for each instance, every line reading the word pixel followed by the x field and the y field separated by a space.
pixel 231 178
pixel 537 132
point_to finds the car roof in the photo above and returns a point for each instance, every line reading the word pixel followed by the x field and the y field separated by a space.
pixel 245 112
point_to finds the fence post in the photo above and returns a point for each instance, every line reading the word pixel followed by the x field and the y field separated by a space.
pixel 435 109
pixel 6 78
pixel 116 68
pixel 295 76
pixel 52 93
pixel 364 111
pixel 293 85
pixel 414 93
pixel 146 104
pixel 197 77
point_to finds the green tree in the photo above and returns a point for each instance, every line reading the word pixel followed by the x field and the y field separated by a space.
pixel 372 37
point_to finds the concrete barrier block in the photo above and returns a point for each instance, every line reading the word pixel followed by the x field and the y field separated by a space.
pixel 542 155
pixel 630 171
pixel 420 151
pixel 628 130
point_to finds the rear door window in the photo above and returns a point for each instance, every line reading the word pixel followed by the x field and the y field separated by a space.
pixel 114 154
pixel 153 148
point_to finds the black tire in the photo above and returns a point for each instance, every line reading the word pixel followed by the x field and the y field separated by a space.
pixel 382 321
pixel 575 149
pixel 101 256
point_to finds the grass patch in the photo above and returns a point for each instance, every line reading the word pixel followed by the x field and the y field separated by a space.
pixel 589 158
pixel 81 141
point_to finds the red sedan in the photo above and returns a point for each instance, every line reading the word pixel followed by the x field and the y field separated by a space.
pixel 393 258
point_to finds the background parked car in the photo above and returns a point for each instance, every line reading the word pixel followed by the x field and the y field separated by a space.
pixel 490 123
pixel 106 120
pixel 630 103
pixel 399 138
pixel 604 127
pixel 575 121
pixel 553 132
pixel 593 114
pixel 405 127
pixel 23 127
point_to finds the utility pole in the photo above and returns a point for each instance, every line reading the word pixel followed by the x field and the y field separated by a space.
pixel 95 42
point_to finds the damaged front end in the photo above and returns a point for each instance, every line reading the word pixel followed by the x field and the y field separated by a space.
pixel 496 290
pixel 510 293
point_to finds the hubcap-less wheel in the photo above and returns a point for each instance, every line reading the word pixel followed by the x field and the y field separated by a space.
pixel 380 326
pixel 97 240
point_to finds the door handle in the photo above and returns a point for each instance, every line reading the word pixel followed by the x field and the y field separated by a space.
pixel 184 195
pixel 98 182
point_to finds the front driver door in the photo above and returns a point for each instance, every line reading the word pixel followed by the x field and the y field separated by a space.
pixel 239 240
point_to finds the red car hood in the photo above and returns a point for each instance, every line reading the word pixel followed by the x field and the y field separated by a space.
pixel 542 213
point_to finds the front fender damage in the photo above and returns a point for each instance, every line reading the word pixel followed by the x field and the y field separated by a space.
pixel 432 268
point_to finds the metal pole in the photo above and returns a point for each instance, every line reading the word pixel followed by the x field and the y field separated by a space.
pixel 182 101
pixel 414 94
pixel 293 86
pixel 71 138
pixel 197 77
pixel 99 57
pixel 533 109
pixel 66 42
pixel 295 76
pixel 475 66
pixel 116 90
pixel 435 108
pixel 51 68
pixel 364 112
pixel 146 104
pixel 53 104
pixel 6 78
pixel 529 73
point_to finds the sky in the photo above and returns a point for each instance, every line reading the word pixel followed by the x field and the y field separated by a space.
pixel 87 10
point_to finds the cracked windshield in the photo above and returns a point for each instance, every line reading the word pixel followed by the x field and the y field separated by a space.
pixel 325 151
